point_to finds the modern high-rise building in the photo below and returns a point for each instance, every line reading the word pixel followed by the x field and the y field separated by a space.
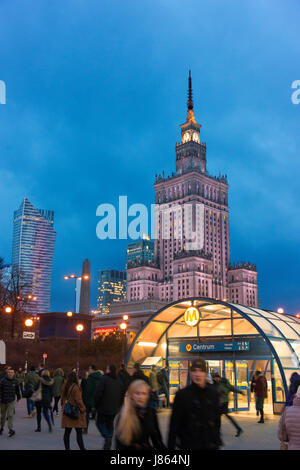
pixel 140 251
pixel 192 250
pixel 32 254
pixel 111 289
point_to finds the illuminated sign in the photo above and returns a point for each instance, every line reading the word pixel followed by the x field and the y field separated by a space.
pixel 100 331
pixel 191 316
pixel 212 347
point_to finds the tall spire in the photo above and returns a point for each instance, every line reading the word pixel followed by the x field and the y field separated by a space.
pixel 190 104
pixel 190 93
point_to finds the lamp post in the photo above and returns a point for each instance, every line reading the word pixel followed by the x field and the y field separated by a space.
pixel 72 276
pixel 123 327
pixel 79 329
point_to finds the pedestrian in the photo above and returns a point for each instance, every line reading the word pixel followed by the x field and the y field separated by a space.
pixel 288 431
pixel 83 386
pixel 9 390
pixel 124 378
pixel 261 392
pixel 71 394
pixel 43 398
pixel 58 379
pixel 20 376
pixel 138 374
pixel 163 380
pixel 155 387
pixel 30 383
pixel 294 384
pixel 194 421
pixel 108 399
pixel 92 382
pixel 137 426
pixel 224 387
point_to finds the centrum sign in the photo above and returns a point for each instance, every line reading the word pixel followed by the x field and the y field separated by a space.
pixel 212 347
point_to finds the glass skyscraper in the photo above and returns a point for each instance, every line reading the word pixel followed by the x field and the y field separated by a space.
pixel 140 251
pixel 32 254
pixel 111 289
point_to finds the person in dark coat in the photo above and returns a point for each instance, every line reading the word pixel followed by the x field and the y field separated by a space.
pixel 92 382
pixel 84 391
pixel 108 399
pixel 9 390
pixel 58 379
pixel 137 427
pixel 194 422
pixel 43 405
pixel 124 377
pixel 138 374
pixel 162 377
pixel 261 392
pixel 294 384
pixel 71 393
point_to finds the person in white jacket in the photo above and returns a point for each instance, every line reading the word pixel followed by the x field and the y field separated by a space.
pixel 289 425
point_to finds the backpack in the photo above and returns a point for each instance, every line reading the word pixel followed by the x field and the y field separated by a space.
pixel 28 391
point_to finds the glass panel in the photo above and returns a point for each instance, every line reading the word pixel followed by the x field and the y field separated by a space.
pixel 265 313
pixel 171 313
pixel 296 347
pixel 243 327
pixel 278 384
pixel 215 328
pixel 152 332
pixel 265 325
pixel 244 309
pixel 296 327
pixel 284 353
pixel 181 330
pixel 242 382
pixel 285 329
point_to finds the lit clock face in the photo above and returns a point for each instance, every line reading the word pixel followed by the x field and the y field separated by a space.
pixel 196 137
pixel 186 137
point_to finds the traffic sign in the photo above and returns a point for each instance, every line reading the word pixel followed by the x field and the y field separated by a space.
pixel 28 335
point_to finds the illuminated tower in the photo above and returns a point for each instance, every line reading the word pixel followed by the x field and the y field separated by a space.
pixel 32 254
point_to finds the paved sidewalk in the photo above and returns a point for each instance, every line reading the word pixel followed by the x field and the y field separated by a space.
pixel 255 436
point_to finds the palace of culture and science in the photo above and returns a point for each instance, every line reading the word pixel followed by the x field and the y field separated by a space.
pixel 202 269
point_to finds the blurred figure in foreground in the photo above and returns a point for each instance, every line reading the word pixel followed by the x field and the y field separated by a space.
pixel 294 384
pixel 288 431
pixel 137 426
pixel 195 416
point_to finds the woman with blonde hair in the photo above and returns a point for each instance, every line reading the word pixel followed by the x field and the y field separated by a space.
pixel 137 426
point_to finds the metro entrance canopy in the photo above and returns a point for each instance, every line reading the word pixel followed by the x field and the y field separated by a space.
pixel 223 333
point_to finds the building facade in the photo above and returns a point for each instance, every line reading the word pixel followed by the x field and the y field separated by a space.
pixel 139 251
pixel 192 246
pixel 32 255
pixel 111 289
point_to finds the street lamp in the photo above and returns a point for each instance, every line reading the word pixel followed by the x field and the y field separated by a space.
pixel 28 322
pixel 69 314
pixel 280 310
pixel 72 276
pixel 123 327
pixel 79 328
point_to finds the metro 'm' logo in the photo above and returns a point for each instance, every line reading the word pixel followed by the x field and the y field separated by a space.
pixel 191 316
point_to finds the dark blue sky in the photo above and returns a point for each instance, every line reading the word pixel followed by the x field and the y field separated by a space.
pixel 96 91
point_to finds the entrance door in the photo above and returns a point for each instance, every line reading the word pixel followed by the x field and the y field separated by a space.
pixel 237 372
pixel 242 383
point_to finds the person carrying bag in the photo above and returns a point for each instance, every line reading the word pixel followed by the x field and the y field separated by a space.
pixel 73 411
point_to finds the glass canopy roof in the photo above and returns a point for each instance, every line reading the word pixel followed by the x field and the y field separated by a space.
pixel 218 318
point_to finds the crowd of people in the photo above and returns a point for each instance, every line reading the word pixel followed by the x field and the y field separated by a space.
pixel 124 406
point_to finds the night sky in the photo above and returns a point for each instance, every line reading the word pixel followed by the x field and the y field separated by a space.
pixel 96 90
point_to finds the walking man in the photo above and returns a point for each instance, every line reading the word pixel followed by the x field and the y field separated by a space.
pixel 261 392
pixel 194 422
pixel 224 387
pixel 108 399
pixel 9 390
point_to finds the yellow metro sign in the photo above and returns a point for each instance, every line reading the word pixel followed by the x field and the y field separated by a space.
pixel 191 316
